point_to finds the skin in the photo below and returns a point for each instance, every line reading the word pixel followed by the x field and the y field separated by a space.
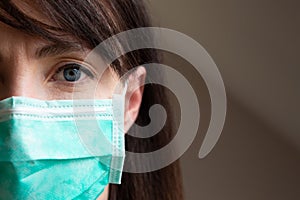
pixel 22 73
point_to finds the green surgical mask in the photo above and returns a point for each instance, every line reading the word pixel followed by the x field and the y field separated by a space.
pixel 64 149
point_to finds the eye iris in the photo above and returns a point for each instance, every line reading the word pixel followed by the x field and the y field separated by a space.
pixel 72 74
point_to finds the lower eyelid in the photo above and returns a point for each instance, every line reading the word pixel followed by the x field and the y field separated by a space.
pixel 83 69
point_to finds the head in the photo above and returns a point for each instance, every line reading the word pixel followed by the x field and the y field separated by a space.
pixel 43 46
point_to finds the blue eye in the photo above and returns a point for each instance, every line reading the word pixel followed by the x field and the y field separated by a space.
pixel 72 73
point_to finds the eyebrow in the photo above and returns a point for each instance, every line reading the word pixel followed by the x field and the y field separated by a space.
pixel 57 49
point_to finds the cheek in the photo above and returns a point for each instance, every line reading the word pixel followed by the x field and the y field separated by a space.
pixel 56 94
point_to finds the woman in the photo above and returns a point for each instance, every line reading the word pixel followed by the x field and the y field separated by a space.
pixel 43 49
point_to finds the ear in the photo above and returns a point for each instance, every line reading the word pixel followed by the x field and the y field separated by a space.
pixel 134 95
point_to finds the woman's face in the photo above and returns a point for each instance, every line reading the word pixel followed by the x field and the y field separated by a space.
pixel 30 68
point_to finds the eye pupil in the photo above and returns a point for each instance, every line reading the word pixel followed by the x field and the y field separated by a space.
pixel 72 74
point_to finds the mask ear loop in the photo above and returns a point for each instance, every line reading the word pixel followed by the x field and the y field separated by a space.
pixel 125 87
pixel 118 137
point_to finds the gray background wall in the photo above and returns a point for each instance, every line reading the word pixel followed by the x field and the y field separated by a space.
pixel 255 44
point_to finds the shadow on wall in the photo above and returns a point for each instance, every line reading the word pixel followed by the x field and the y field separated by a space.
pixel 255 45
pixel 250 161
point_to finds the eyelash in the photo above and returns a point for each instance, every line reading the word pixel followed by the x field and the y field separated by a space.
pixel 77 66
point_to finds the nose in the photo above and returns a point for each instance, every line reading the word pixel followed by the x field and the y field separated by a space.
pixel 19 82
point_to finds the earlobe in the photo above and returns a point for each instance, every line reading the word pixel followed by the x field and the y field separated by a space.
pixel 134 96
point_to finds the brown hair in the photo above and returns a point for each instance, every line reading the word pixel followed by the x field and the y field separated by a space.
pixel 90 23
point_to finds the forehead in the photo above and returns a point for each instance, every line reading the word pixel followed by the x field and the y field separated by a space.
pixel 14 42
pixel 17 40
pixel 9 34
